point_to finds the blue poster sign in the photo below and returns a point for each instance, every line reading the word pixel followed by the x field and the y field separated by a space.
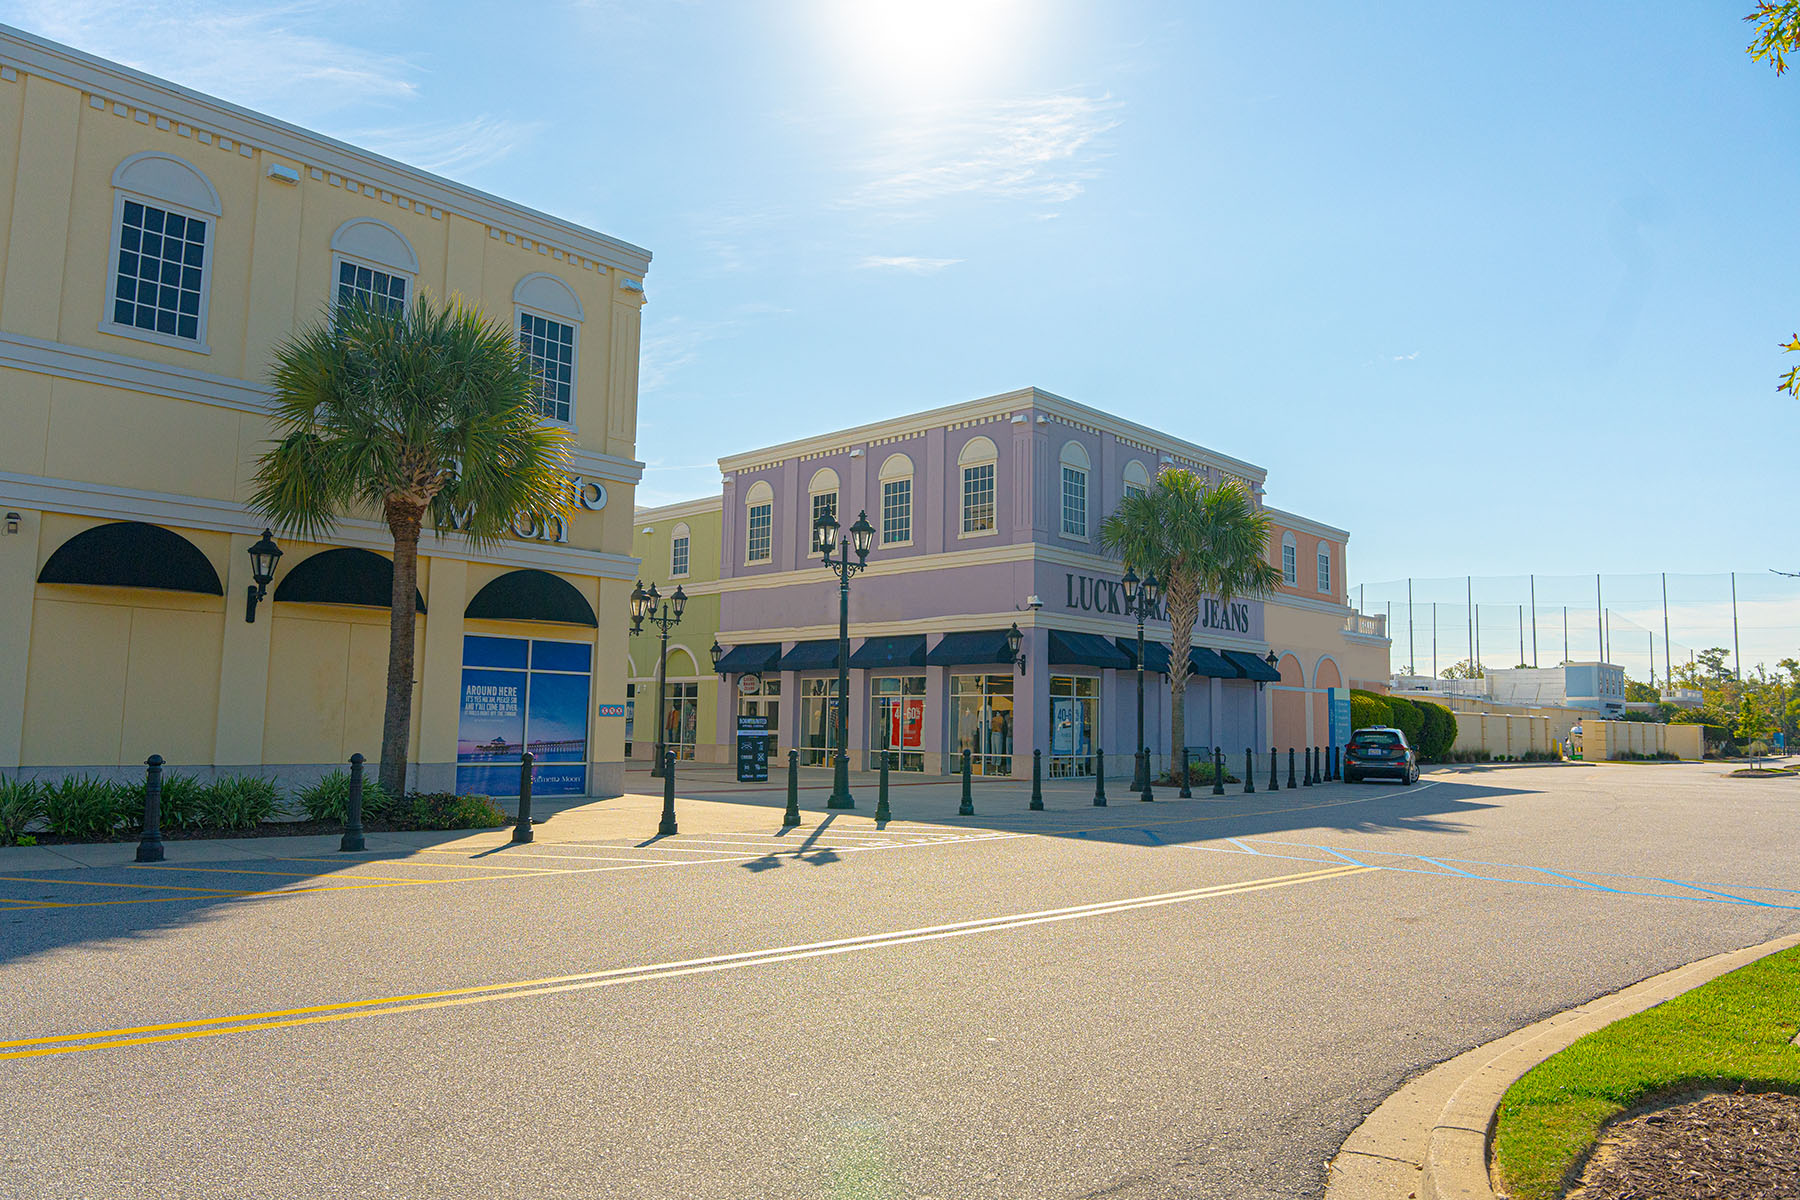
pixel 1337 705
pixel 520 694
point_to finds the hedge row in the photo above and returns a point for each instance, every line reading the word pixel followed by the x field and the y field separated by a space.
pixel 1430 727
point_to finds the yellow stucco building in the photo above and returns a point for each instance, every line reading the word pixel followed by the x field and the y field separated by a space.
pixel 159 245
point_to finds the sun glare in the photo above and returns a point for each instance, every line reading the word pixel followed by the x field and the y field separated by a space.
pixel 926 50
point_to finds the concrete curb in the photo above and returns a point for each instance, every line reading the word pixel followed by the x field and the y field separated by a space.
pixel 1429 1140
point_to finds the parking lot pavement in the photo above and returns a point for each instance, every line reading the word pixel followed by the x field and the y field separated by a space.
pixel 1184 998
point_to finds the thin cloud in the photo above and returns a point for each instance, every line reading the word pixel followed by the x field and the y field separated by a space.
pixel 907 262
pixel 1405 357
pixel 450 148
pixel 255 55
pixel 1041 150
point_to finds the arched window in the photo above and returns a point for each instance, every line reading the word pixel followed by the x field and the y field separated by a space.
pixel 530 595
pixel 1075 467
pixel 1325 567
pixel 678 550
pixel 759 518
pixel 896 501
pixel 373 264
pixel 161 263
pixel 1290 560
pixel 824 492
pixel 977 460
pixel 1137 479
pixel 132 554
pixel 549 313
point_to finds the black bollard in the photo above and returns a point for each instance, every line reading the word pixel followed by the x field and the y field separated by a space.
pixel 792 816
pixel 1306 772
pixel 882 812
pixel 1187 771
pixel 1148 794
pixel 1218 771
pixel 353 830
pixel 1249 772
pixel 150 847
pixel 1037 781
pixel 522 831
pixel 967 808
pixel 1293 780
pixel 668 825
pixel 1337 769
pixel 1274 769
pixel 1317 769
pixel 1099 778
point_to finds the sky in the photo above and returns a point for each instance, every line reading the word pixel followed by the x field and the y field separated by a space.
pixel 1499 287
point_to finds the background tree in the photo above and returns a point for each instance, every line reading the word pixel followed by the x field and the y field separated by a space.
pixel 1466 669
pixel 404 415
pixel 1777 25
pixel 1199 542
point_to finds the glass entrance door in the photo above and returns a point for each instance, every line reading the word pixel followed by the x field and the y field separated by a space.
pixel 818 715
pixel 897 721
pixel 1074 721
pixel 981 722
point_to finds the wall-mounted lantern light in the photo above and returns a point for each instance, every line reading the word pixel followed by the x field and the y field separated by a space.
pixel 263 556
pixel 1014 640
pixel 12 522
pixel 717 652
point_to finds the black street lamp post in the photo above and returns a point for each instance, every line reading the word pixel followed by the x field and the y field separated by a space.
pixel 647 604
pixel 861 539
pixel 1141 600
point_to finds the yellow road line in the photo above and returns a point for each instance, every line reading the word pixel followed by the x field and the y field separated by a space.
pixel 158 887
pixel 474 866
pixel 457 997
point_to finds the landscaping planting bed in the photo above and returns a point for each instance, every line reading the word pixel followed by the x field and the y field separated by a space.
pixel 1742 1146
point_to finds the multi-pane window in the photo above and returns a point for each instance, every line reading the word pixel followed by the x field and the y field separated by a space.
pixel 1134 489
pixel 823 504
pixel 978 498
pixel 1324 571
pixel 551 345
pixel 896 511
pixel 1074 502
pixel 1290 564
pixel 161 268
pixel 358 284
pixel 760 547
pixel 678 556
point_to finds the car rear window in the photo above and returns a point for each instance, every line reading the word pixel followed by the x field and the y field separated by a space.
pixel 1375 739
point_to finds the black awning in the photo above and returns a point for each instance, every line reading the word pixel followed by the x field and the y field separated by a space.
pixel 531 596
pixel 1086 650
pixel 342 576
pixel 1208 663
pixel 820 655
pixel 1156 655
pixel 1252 666
pixel 969 649
pixel 904 650
pixel 133 554
pixel 757 656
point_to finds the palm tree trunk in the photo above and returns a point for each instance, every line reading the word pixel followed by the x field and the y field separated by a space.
pixel 396 723
pixel 1183 600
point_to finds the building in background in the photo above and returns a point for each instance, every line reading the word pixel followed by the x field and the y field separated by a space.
pixel 1591 686
pixel 987 516
pixel 159 245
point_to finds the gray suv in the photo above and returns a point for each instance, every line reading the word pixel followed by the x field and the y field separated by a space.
pixel 1380 753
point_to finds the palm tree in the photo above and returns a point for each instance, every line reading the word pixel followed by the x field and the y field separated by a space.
pixel 404 413
pixel 1199 542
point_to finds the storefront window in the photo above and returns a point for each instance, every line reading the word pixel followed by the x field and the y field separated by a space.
pixel 981 722
pixel 897 721
pixel 818 708
pixel 630 714
pixel 1074 719
pixel 519 694
pixel 682 722
pixel 760 696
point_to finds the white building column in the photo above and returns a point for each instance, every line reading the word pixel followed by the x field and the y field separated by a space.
pixel 18 586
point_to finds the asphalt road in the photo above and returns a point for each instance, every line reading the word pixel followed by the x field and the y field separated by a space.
pixel 1187 999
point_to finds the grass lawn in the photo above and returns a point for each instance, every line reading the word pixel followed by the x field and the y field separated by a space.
pixel 1738 1028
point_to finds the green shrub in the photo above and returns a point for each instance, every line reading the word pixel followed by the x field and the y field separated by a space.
pixel 447 810
pixel 1367 709
pixel 1439 734
pixel 239 802
pixel 21 803
pixel 329 799
pixel 1405 716
pixel 1200 771
pixel 1468 756
pixel 88 809
pixel 183 802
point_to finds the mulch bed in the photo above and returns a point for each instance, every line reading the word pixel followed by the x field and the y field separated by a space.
pixel 1742 1146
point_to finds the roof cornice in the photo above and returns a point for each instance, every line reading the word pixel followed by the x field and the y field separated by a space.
pixel 88 73
pixel 1300 524
pixel 681 508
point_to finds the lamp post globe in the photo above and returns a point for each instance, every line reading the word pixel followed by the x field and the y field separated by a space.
pixel 862 535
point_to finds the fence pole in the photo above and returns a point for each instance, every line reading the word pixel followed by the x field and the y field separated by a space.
pixel 668 825
pixel 967 807
pixel 150 844
pixel 522 830
pixel 1037 781
pixel 353 830
pixel 1099 777
pixel 791 817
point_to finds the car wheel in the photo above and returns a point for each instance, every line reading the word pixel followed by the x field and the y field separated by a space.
pixel 1409 778
pixel 1352 777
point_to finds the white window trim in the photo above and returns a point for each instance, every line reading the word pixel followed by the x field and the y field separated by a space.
pixel 1087 502
pixel 1288 542
pixel 837 504
pixel 338 258
pixel 912 513
pixel 752 504
pixel 683 533
pixel 107 325
pixel 574 361
pixel 1322 567
pixel 962 500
